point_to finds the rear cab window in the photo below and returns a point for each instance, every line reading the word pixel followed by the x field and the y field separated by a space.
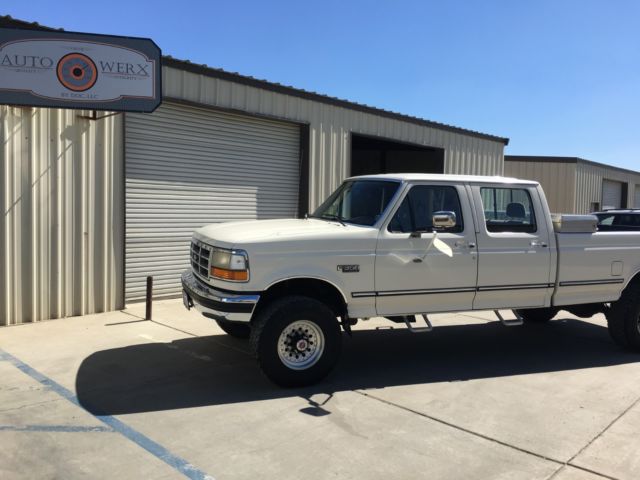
pixel 508 209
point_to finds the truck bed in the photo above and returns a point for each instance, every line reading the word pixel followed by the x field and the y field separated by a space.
pixel 594 267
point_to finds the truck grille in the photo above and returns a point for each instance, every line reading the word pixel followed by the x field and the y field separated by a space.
pixel 200 255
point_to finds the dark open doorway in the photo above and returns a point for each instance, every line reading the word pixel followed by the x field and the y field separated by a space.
pixel 370 155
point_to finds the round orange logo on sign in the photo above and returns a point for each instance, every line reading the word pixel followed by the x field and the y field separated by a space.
pixel 77 72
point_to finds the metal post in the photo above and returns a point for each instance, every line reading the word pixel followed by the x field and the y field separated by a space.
pixel 149 300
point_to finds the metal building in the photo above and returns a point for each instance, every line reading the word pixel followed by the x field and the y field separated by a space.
pixel 576 185
pixel 93 206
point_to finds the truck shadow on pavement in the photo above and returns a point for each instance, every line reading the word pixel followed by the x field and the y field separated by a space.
pixel 218 369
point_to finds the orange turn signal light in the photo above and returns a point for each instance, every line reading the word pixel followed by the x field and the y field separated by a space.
pixel 233 275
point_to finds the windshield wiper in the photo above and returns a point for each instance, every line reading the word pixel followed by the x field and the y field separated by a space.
pixel 337 218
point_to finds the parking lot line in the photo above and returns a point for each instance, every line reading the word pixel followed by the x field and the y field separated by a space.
pixel 154 448
pixel 53 428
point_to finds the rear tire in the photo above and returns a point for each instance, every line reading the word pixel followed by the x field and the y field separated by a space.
pixel 235 329
pixel 537 315
pixel 623 318
pixel 296 340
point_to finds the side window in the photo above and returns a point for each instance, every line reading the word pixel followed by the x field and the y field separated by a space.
pixel 416 210
pixel 508 210
pixel 606 219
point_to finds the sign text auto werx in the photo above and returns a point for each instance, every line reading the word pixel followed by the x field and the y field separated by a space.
pixel 32 61
pixel 74 70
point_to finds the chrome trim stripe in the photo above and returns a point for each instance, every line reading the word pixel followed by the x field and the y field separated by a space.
pixel 492 288
pixel 531 286
pixel 362 294
pixel 392 293
pixel 432 291
pixel 576 283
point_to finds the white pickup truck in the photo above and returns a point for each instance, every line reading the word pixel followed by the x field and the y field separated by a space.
pixel 401 247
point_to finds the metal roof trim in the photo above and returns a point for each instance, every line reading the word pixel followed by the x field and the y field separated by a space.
pixel 318 97
pixel 534 158
pixel 550 159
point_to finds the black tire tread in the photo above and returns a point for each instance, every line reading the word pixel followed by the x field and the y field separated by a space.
pixel 259 324
pixel 621 317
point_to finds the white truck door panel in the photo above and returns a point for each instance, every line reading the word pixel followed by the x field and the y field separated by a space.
pixel 410 276
pixel 514 248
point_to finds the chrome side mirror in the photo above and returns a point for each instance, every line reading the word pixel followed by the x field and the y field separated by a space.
pixel 444 220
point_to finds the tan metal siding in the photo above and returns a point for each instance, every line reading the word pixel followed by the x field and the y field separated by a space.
pixel 589 184
pixel 61 229
pixel 330 127
pixel 557 179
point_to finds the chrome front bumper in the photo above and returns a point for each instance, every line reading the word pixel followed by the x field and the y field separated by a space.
pixel 215 303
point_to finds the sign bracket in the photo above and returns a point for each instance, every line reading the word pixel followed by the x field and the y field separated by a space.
pixel 94 115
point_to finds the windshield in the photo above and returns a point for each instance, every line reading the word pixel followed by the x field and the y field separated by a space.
pixel 360 202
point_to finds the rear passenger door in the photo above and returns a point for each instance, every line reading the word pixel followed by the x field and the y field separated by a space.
pixel 514 254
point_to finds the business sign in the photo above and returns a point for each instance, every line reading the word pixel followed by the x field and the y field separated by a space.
pixel 77 70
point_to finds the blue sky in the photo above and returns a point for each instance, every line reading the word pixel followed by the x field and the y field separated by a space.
pixel 557 77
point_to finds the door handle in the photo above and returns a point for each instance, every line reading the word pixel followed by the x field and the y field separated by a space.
pixel 536 243
pixel 462 243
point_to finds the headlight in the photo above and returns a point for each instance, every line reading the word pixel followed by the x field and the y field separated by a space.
pixel 231 265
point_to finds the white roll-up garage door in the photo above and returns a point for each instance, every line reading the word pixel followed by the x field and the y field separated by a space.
pixel 187 167
pixel 611 194
pixel 636 201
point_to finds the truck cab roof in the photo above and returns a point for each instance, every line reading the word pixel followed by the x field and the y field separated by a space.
pixel 439 177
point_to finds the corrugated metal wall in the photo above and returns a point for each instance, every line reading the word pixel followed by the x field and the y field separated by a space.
pixel 589 179
pixel 330 127
pixel 558 179
pixel 61 238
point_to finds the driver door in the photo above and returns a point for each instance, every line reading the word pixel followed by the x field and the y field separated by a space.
pixel 410 276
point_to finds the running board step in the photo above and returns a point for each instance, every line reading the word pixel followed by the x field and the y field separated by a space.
pixel 407 322
pixel 509 322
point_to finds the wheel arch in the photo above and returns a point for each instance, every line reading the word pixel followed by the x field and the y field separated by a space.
pixel 633 278
pixel 312 287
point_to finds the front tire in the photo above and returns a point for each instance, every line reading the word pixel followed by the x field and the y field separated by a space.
pixel 296 340
pixel 537 315
pixel 623 318
pixel 235 329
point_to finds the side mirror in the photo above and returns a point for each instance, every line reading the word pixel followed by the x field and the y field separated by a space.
pixel 444 220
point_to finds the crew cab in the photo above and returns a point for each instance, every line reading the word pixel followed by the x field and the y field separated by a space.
pixel 402 247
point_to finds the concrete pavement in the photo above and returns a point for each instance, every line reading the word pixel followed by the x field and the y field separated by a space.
pixel 114 396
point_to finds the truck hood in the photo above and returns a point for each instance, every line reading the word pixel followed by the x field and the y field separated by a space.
pixel 234 234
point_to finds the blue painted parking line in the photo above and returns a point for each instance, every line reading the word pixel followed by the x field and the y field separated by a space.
pixel 154 448
pixel 53 428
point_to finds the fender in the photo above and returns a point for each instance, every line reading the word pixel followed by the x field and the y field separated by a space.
pixel 309 277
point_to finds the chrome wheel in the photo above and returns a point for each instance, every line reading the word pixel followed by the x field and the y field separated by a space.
pixel 300 345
